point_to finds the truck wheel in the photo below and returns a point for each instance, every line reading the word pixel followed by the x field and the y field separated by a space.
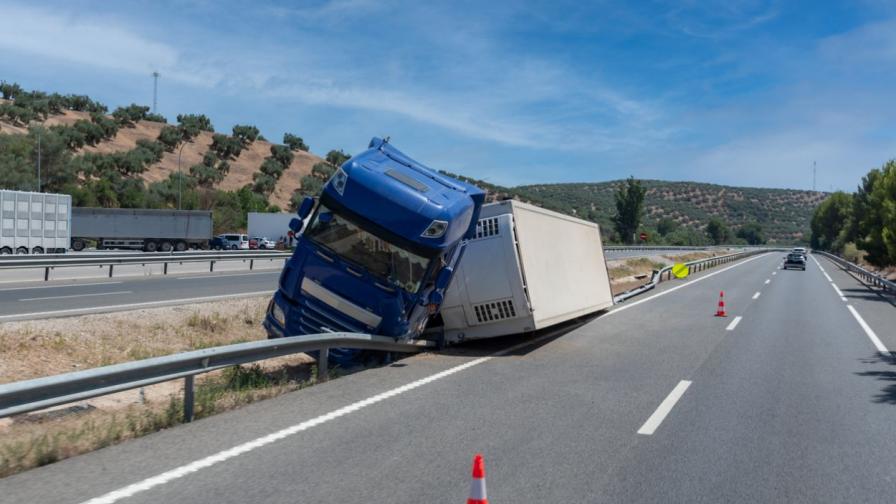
pixel 166 246
pixel 150 246
pixel 78 245
pixel 21 251
pixel 37 250
pixel 5 251
pixel 180 246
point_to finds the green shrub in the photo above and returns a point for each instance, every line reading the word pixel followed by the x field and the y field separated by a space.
pixel 294 142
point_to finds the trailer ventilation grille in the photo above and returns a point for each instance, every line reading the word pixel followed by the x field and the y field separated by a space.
pixel 496 310
pixel 487 227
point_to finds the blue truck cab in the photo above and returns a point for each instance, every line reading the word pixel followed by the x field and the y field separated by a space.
pixel 381 245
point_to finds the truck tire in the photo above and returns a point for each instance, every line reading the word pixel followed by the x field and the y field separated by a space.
pixel 150 246
pixel 166 246
pixel 78 245
pixel 37 250
pixel 21 251
pixel 5 251
pixel 180 246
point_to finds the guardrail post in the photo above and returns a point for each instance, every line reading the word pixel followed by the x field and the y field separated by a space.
pixel 211 266
pixel 110 271
pixel 164 268
pixel 46 273
pixel 251 263
pixel 323 358
pixel 188 399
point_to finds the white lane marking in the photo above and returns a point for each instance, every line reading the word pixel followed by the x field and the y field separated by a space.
pixel 756 296
pixel 223 275
pixel 58 286
pixel 673 289
pixel 664 408
pixel 129 306
pixel 733 323
pixel 870 332
pixel 77 295
pixel 774 273
pixel 184 470
pixel 816 262
pixel 768 281
pixel 828 277
pixel 839 293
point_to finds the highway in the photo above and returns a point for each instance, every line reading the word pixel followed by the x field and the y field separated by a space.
pixel 788 399
pixel 34 300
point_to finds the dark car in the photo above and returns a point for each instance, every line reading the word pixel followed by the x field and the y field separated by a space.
pixel 795 260
pixel 217 243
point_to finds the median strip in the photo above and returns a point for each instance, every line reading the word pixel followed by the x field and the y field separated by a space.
pixel 653 423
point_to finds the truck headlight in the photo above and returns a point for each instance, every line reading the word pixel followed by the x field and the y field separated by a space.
pixel 278 314
pixel 339 180
pixel 436 229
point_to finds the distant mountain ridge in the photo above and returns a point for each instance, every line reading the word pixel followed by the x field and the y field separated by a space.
pixel 784 214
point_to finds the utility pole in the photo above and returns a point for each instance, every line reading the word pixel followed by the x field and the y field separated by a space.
pixel 813 176
pixel 155 90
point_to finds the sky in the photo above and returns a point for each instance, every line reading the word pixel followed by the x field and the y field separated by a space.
pixel 748 93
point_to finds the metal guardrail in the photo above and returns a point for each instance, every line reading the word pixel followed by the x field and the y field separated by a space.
pixel 693 267
pixel 866 276
pixel 32 395
pixel 59 261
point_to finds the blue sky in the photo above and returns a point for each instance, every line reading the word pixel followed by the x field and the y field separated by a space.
pixel 732 92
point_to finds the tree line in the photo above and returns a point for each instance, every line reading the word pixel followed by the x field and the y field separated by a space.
pixel 628 224
pixel 866 218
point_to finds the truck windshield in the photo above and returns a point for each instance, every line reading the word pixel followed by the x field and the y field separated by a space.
pixel 381 258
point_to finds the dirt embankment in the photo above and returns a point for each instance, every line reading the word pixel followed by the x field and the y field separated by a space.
pixel 629 273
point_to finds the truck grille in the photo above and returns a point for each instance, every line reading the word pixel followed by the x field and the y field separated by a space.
pixel 495 310
pixel 313 316
pixel 487 227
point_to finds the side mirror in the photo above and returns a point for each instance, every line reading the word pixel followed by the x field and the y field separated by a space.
pixel 436 298
pixel 305 208
pixel 444 278
pixel 296 225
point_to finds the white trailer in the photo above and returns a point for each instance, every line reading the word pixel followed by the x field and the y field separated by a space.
pixel 272 226
pixel 527 268
pixel 34 223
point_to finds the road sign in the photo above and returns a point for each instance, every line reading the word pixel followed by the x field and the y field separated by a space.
pixel 680 270
pixel 644 237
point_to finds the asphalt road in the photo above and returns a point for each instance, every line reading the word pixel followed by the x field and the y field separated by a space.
pixel 34 300
pixel 655 401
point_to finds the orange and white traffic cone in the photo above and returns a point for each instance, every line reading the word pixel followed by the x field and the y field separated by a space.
pixel 477 489
pixel 720 312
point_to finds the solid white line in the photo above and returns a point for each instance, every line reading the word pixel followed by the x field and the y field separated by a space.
pixel 223 274
pixel 664 408
pixel 768 281
pixel 756 296
pixel 673 289
pixel 870 332
pixel 77 296
pixel 184 470
pixel 828 277
pixel 816 262
pixel 129 306
pixel 57 286
pixel 733 323
pixel 774 273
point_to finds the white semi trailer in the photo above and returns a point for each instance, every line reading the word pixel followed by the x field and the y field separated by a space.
pixel 527 269
pixel 34 223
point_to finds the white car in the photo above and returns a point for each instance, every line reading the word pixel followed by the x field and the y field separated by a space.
pixel 265 243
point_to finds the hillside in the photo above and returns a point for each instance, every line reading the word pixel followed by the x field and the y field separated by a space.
pixel 241 169
pixel 784 214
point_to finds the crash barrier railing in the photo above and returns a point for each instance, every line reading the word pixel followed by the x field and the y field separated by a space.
pixel 59 261
pixel 41 393
pixel 693 267
pixel 866 276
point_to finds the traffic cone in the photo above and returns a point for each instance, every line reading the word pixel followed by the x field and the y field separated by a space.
pixel 477 489
pixel 720 312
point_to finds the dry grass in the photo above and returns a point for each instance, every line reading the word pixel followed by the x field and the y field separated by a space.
pixel 33 443
pixel 44 347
